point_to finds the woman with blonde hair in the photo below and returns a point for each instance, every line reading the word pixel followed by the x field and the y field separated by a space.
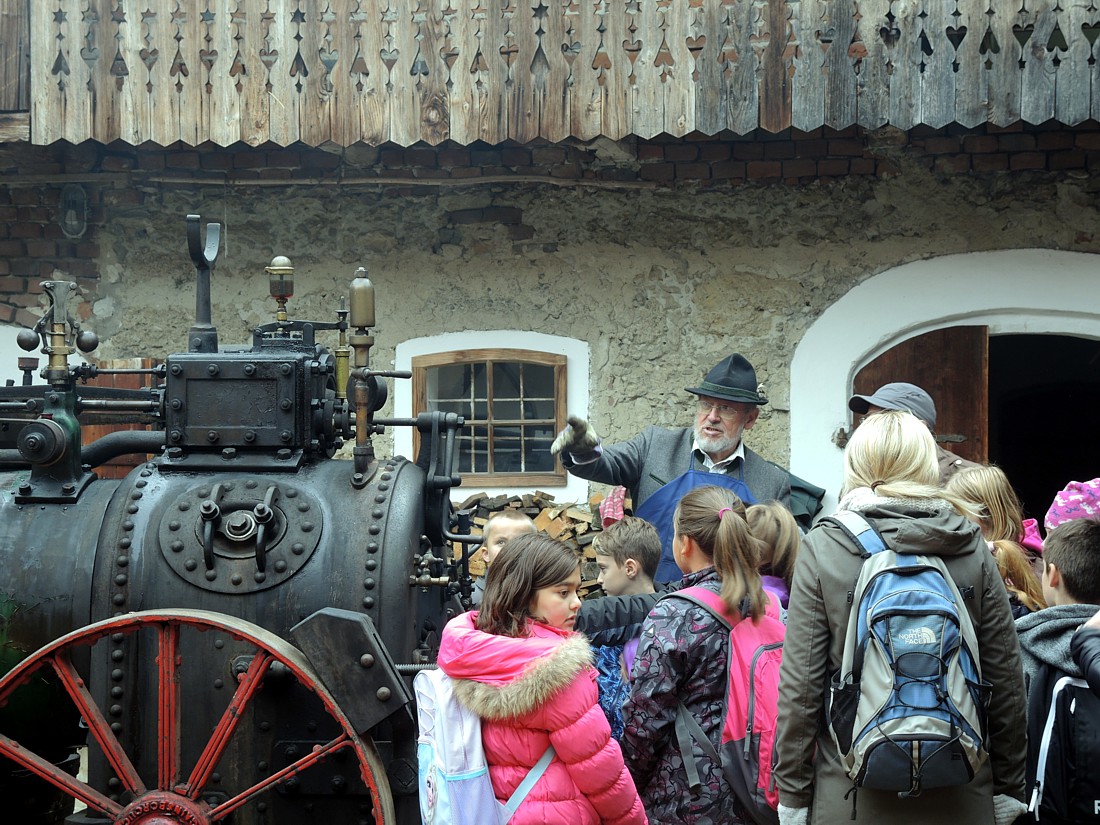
pixel 891 480
pixel 988 490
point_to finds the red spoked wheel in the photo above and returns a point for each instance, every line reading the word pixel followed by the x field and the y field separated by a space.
pixel 178 792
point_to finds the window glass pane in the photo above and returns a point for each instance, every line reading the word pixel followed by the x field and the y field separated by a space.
pixel 538 381
pixel 452 381
pixel 505 410
pixel 481 410
pixel 459 407
pixel 542 408
pixel 506 380
pixel 480 437
pixel 481 383
pixel 465 455
pixel 507 455
pixel 536 456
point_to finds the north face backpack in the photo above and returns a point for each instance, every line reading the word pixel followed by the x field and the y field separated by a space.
pixel 752 695
pixel 453 775
pixel 907 709
pixel 1063 760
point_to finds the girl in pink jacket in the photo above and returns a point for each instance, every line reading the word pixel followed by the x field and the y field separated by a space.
pixel 519 666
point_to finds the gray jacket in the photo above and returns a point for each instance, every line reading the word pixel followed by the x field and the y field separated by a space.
pixel 657 455
pixel 1045 638
pixel 817 623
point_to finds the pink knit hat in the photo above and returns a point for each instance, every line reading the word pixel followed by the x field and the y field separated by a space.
pixel 1031 540
pixel 1080 499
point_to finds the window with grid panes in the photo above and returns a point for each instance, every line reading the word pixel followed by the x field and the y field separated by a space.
pixel 513 402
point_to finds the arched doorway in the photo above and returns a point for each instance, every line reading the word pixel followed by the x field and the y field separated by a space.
pixel 1033 293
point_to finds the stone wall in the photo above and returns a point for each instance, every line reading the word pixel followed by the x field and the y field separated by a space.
pixel 663 255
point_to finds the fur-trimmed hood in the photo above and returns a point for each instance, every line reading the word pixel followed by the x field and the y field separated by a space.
pixel 500 677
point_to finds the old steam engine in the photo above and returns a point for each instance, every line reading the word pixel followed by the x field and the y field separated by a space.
pixel 229 633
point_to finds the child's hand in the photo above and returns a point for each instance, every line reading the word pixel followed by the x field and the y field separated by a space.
pixel 577 437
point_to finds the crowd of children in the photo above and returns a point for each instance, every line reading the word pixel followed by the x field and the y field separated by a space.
pixel 607 682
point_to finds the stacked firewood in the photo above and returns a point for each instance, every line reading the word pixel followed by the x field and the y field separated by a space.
pixel 575 524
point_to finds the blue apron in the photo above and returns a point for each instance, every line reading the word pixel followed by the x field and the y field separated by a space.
pixel 660 508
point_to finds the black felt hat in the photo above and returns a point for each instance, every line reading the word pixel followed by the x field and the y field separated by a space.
pixel 732 379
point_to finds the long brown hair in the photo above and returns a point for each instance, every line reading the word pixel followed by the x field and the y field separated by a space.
pixel 715 519
pixel 780 538
pixel 525 565
pixel 1019 578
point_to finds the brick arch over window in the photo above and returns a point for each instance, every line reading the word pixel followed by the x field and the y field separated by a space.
pixel 1031 291
pixel 449 346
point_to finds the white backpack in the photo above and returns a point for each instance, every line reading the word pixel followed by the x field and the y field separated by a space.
pixel 453 774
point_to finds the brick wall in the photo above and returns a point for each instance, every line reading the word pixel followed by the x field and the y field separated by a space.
pixel 33 247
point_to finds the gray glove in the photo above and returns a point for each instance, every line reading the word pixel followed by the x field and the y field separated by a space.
pixel 577 437
pixel 1006 808
pixel 793 816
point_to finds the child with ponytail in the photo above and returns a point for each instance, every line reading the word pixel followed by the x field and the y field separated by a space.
pixel 682 657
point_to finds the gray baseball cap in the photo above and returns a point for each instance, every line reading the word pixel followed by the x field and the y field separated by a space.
pixel 898 396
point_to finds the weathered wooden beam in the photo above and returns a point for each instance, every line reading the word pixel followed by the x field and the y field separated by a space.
pixel 15 126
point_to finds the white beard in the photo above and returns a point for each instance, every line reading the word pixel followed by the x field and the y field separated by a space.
pixel 716 445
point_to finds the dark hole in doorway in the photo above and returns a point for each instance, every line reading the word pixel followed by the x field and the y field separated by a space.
pixel 1044 391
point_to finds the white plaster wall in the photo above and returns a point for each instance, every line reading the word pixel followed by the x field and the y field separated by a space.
pixel 577 379
pixel 10 355
pixel 1030 291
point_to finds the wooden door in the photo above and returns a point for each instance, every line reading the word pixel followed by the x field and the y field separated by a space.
pixel 951 365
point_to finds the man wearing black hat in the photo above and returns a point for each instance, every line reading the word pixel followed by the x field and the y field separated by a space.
pixel 660 465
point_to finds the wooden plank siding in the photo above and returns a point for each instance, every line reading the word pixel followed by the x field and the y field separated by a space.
pixel 15 54
pixel 428 71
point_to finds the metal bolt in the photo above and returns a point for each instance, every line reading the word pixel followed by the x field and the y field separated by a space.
pixel 366 660
pixel 213 369
pixel 212 436
pixel 383 694
pixel 176 403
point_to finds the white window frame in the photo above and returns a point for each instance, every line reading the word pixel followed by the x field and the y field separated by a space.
pixel 578 360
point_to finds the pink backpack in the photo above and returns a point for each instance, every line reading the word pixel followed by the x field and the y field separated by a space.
pixel 746 753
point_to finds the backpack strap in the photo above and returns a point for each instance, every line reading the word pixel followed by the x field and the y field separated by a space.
pixel 708 600
pixel 687 726
pixel 859 530
pixel 533 776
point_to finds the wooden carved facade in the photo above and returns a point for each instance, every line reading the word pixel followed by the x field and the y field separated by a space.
pixel 403 71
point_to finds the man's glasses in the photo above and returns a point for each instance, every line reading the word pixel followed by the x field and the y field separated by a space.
pixel 725 411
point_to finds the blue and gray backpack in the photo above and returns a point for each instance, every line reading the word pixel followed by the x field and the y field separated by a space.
pixel 907 709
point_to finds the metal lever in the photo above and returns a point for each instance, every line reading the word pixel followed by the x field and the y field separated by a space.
pixel 203 337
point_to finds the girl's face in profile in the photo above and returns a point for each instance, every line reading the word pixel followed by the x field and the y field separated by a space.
pixel 558 604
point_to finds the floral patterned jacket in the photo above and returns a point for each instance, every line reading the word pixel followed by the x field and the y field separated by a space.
pixel 681 657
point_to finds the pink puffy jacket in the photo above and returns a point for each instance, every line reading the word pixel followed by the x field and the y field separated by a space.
pixel 531 692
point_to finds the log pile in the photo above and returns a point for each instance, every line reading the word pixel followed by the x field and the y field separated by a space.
pixel 575 524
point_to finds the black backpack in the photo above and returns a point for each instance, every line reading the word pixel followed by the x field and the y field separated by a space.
pixel 1063 759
